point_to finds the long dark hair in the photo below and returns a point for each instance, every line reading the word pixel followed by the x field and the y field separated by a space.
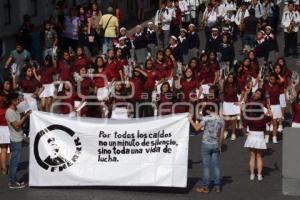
pixel 234 83
pixel 193 74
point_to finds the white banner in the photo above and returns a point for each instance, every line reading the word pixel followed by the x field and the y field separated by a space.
pixel 95 152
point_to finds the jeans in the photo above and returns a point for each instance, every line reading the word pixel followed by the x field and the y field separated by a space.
pixel 290 43
pixel 211 151
pixel 107 43
pixel 248 39
pixel 166 35
pixel 16 150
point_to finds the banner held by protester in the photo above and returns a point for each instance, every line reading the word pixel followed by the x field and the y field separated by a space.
pixel 144 152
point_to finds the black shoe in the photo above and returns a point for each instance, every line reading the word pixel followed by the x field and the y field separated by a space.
pixel 16 185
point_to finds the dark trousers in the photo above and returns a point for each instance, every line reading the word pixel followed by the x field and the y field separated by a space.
pixel 148 107
pixel 290 40
pixel 67 42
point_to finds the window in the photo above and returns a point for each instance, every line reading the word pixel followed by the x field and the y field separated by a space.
pixel 34 8
pixel 7 12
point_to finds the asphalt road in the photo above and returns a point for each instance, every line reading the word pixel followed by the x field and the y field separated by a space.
pixel 234 168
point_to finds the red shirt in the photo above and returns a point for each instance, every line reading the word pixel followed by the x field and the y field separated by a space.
pixel 241 80
pixel 169 68
pixel 230 93
pixel 100 79
pixel 111 70
pixel 188 87
pixel 255 123
pixel 258 124
pixel 3 107
pixel 159 69
pixel 296 111
pixel 254 68
pixel 85 86
pixel 67 103
pixel 47 74
pixel 79 63
pixel 206 75
pixel 29 86
pixel 150 80
pixel 138 88
pixel 214 66
pixel 64 70
pixel 165 104
pixel 274 93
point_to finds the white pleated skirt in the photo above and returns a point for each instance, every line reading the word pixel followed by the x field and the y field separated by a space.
pixel 4 135
pixel 102 93
pixel 229 108
pixel 119 113
pixel 295 125
pixel 276 111
pixel 48 90
pixel 282 100
pixel 30 101
pixel 256 140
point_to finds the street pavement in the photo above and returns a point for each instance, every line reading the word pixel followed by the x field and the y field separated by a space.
pixel 234 168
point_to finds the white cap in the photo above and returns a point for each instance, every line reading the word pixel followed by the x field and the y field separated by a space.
pixel 123 29
pixel 183 30
pixel 150 23
pixel 173 37
pixel 268 27
pixel 215 29
pixel 122 38
pixel 192 25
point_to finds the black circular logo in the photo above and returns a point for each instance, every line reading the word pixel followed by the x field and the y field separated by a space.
pixel 56 148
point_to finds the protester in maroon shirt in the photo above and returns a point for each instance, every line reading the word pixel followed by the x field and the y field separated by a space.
pixel 29 85
pixel 150 77
pixel 187 84
pixel 111 66
pixel 205 75
pixel 137 88
pixel 84 85
pixel 256 121
pixel 165 100
pixel 283 81
pixel 272 89
pixel 296 111
pixel 170 64
pixel 67 96
pixel 231 106
pixel 45 77
pixel 160 65
pixel 121 62
pixel 100 78
pixel 5 137
pixel 254 67
pixel 214 65
pixel 80 60
pixel 64 67
pixel 194 65
pixel 101 83
pixel 285 70
pixel 240 76
pixel 119 107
